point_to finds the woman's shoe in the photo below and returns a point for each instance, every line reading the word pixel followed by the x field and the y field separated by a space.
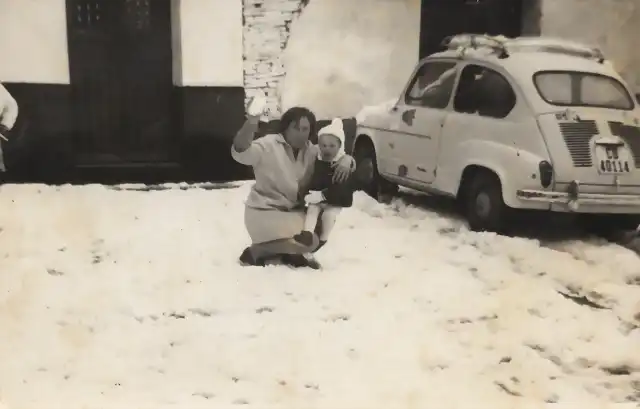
pixel 320 245
pixel 300 260
pixel 312 263
pixel 294 260
pixel 247 259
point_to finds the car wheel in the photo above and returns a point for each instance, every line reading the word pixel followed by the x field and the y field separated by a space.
pixel 373 184
pixel 485 209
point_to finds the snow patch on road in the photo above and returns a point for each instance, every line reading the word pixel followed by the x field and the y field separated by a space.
pixel 113 297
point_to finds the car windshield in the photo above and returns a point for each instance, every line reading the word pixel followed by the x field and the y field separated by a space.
pixel 435 86
pixel 571 88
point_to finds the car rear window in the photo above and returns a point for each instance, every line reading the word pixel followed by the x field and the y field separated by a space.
pixel 572 88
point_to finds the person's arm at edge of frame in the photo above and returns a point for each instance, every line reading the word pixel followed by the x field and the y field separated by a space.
pixel 8 110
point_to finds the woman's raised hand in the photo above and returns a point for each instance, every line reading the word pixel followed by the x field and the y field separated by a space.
pixel 257 106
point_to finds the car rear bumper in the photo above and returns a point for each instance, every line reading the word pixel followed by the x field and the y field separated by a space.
pixel 574 201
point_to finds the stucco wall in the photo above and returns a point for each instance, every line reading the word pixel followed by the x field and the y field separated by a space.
pixel 337 55
pixel 343 55
pixel 612 25
pixel 33 41
pixel 207 42
pixel 266 33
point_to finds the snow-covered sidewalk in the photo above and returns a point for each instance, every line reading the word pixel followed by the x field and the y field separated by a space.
pixel 114 298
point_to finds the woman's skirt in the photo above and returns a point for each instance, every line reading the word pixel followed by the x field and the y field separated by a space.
pixel 269 225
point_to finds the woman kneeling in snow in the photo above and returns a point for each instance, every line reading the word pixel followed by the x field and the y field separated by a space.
pixel 281 163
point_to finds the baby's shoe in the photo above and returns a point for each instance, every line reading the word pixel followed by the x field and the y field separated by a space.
pixel 305 238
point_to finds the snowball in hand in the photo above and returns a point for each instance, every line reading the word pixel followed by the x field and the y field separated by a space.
pixel 257 105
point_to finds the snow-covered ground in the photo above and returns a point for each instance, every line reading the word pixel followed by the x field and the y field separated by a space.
pixel 114 298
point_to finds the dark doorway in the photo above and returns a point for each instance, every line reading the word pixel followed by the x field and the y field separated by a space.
pixel 442 18
pixel 120 63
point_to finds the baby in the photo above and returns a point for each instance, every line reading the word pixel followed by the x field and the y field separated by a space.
pixel 325 196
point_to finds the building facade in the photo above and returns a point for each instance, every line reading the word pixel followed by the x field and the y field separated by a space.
pixel 165 81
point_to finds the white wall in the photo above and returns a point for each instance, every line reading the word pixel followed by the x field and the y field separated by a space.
pixel 346 54
pixel 211 43
pixel 612 25
pixel 33 41
pixel 337 56
pixel 207 42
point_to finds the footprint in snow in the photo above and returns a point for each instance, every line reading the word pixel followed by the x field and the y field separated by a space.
pixel 202 312
pixel 205 395
pixel 338 317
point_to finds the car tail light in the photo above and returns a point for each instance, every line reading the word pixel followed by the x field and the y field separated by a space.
pixel 546 173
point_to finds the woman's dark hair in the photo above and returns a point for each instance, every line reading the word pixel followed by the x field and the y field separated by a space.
pixel 294 115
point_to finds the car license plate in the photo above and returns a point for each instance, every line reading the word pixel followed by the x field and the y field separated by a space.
pixel 613 160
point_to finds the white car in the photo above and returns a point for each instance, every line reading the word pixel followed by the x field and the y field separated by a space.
pixel 528 123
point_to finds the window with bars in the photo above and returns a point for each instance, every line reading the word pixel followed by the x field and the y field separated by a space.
pixel 138 14
pixel 88 14
pixel 134 15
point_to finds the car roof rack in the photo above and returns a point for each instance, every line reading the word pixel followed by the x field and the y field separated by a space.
pixel 465 41
pixel 503 45
pixel 559 46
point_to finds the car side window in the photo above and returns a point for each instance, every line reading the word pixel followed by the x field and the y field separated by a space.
pixel 484 91
pixel 432 85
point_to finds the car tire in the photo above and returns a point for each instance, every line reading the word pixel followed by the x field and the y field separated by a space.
pixel 374 185
pixel 484 206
